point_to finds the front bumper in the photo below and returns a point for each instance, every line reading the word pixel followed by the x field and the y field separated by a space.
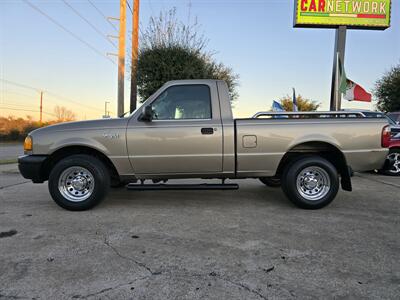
pixel 31 167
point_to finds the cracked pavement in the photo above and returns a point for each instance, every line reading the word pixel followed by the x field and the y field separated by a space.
pixel 245 244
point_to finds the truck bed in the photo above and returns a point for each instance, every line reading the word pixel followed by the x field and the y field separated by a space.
pixel 261 143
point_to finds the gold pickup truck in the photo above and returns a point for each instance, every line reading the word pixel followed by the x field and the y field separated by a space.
pixel 186 130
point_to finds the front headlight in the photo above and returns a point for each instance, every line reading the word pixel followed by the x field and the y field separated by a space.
pixel 28 143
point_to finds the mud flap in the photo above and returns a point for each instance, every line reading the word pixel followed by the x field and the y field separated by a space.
pixel 346 179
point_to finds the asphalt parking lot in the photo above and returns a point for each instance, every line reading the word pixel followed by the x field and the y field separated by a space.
pixel 245 244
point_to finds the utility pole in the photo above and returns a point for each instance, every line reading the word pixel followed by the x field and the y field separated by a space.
pixel 41 108
pixel 135 50
pixel 121 56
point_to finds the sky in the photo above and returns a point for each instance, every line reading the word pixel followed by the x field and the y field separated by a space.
pixel 255 38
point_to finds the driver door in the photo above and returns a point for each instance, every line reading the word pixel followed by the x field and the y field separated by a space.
pixel 184 136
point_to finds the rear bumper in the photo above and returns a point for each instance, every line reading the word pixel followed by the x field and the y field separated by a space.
pixel 31 167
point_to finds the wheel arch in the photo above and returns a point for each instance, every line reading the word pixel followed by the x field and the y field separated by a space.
pixel 324 149
pixel 67 151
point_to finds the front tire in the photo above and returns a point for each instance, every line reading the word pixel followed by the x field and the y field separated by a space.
pixel 79 182
pixel 311 182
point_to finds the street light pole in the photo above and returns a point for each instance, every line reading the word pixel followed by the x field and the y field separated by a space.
pixel 41 108
pixel 105 109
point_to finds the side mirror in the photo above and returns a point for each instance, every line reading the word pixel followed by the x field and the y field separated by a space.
pixel 147 114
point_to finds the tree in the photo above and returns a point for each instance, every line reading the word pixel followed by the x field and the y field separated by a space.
pixel 387 91
pixel 303 104
pixel 63 114
pixel 171 50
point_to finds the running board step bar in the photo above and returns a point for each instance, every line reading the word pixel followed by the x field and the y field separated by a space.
pixel 162 186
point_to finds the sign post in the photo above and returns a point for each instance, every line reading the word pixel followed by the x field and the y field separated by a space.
pixel 341 15
pixel 338 57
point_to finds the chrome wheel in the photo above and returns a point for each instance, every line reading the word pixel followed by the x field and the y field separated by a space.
pixel 313 183
pixel 394 168
pixel 76 184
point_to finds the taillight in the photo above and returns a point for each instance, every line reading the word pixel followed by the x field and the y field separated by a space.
pixel 386 136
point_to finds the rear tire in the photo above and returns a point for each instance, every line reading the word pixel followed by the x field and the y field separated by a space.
pixel 311 182
pixel 79 182
pixel 271 181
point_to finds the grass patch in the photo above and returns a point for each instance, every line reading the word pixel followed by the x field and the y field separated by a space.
pixel 8 161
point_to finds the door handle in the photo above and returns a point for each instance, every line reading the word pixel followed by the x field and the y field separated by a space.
pixel 207 130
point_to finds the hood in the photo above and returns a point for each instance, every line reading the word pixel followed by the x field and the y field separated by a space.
pixel 83 125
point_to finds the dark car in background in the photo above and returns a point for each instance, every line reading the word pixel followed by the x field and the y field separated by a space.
pixel 392 164
pixel 372 114
pixel 366 113
pixel 395 116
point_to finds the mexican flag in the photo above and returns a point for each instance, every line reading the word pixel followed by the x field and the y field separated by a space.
pixel 351 90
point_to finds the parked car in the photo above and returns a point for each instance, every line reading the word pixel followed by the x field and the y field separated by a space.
pixel 372 114
pixel 366 113
pixel 395 116
pixel 392 164
pixel 186 130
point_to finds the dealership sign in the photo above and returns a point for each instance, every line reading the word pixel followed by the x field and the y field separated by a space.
pixel 365 14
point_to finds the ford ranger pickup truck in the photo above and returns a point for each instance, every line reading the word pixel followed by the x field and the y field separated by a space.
pixel 186 130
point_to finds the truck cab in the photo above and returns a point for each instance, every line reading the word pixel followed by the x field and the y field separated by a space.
pixel 180 131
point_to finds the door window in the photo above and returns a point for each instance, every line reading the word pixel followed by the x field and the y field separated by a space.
pixel 183 102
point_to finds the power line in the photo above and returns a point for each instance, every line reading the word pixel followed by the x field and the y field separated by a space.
pixel 18 105
pixel 52 100
pixel 129 6
pixel 107 19
pixel 17 93
pixel 68 31
pixel 29 96
pixel 20 85
pixel 30 110
pixel 51 93
pixel 72 101
pixel 13 104
pixel 89 23
pixel 103 15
